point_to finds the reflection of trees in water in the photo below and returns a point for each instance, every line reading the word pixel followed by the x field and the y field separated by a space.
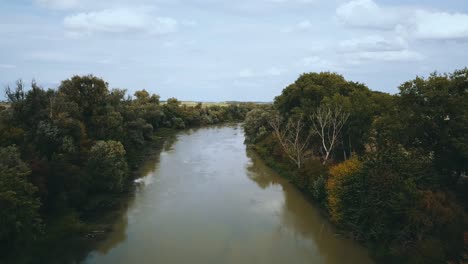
pixel 76 251
pixel 118 233
pixel 298 215
pixel 169 142
pixel 153 156
pixel 261 174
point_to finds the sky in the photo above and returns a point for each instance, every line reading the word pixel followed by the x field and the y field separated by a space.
pixel 217 50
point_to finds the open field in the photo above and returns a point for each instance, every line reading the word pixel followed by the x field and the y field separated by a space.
pixel 4 104
pixel 208 104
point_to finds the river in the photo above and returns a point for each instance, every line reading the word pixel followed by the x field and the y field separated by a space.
pixel 209 200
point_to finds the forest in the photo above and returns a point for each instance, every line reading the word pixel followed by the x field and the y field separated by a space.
pixel 69 153
pixel 388 170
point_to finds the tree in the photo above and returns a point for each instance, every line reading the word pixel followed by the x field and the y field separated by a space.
pixel 291 137
pixel 256 125
pixel 107 167
pixel 17 94
pixel 88 92
pixel 335 186
pixel 20 222
pixel 434 117
pixel 327 122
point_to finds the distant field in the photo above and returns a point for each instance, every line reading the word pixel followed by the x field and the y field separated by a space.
pixel 194 103
pixel 187 103
pixel 4 104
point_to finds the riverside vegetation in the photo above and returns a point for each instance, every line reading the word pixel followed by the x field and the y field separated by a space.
pixel 67 155
pixel 388 170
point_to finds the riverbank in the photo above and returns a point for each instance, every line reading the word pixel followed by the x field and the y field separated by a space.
pixel 70 236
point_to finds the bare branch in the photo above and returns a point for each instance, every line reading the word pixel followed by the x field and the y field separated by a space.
pixel 290 137
pixel 327 122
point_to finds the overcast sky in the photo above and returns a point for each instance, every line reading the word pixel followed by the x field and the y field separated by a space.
pixel 215 50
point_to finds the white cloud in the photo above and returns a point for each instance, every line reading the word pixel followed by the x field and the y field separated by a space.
pixel 305 24
pixel 58 4
pixel 301 26
pixel 246 73
pixel 440 25
pixel 119 20
pixel 377 48
pixel 249 73
pixel 315 61
pixel 367 14
pixel 53 56
pixel 388 56
pixel 415 23
pixel 273 71
pixel 292 1
pixel 7 66
pixel 373 43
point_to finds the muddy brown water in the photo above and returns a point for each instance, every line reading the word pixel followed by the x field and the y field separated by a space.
pixel 209 200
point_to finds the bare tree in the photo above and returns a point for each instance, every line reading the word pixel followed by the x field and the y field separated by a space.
pixel 327 122
pixel 291 137
pixel 16 94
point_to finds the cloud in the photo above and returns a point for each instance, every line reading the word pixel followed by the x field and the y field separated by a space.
pixel 58 4
pixel 415 23
pixel 300 26
pixel 7 66
pixel 373 43
pixel 53 56
pixel 305 24
pixel 388 56
pixel 273 71
pixel 119 20
pixel 270 72
pixel 377 48
pixel 367 14
pixel 246 73
pixel 292 1
pixel 317 62
pixel 440 25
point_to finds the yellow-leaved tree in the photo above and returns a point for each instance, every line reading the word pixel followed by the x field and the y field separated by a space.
pixel 335 182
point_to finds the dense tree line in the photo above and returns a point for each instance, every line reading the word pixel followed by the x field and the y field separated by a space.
pixel 68 152
pixel 390 170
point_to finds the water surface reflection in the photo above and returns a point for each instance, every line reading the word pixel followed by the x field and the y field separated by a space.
pixel 208 200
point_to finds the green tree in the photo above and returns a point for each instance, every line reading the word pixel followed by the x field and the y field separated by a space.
pixel 434 113
pixel 256 125
pixel 106 167
pixel 88 92
pixel 20 222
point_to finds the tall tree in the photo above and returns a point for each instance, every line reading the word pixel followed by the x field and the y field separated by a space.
pixel 327 122
pixel 291 137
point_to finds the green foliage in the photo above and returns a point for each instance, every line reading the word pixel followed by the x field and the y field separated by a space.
pixel 435 119
pixel 106 167
pixel 256 125
pixel 399 183
pixel 78 144
pixel 20 222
